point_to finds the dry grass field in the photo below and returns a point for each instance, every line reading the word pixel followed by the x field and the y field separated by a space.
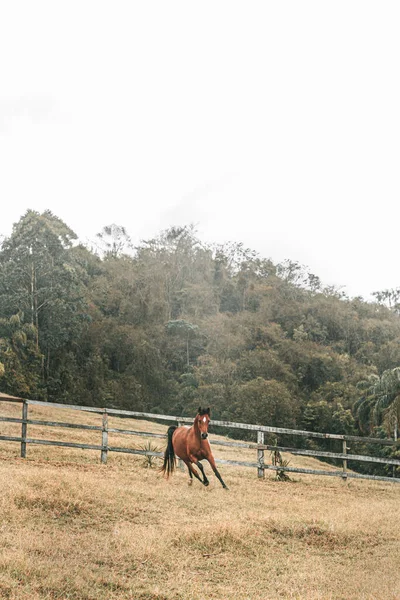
pixel 72 528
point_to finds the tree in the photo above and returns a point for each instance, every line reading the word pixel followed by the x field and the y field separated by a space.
pixel 184 330
pixel 379 401
pixel 40 278
pixel 28 261
pixel 265 402
pixel 390 298
pixel 20 360
pixel 113 240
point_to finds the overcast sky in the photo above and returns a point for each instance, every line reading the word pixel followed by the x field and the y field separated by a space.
pixel 272 123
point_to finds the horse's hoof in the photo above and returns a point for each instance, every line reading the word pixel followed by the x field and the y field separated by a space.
pixel 226 487
pixel 190 482
pixel 206 483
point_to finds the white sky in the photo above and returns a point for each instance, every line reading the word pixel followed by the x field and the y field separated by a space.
pixel 272 123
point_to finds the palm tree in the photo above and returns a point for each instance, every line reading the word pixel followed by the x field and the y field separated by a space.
pixel 379 403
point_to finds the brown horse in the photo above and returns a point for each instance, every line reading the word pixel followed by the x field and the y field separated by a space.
pixel 191 445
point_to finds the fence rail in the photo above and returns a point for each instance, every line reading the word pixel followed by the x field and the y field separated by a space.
pixel 260 446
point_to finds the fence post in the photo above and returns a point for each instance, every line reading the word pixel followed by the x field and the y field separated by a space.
pixel 344 476
pixel 104 438
pixel 180 461
pixel 24 428
pixel 260 455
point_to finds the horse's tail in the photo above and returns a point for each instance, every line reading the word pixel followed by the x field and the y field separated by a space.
pixel 169 455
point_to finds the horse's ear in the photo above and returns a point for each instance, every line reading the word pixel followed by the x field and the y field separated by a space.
pixel 208 411
pixel 199 411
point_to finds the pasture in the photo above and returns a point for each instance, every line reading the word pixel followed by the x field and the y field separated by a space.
pixel 72 528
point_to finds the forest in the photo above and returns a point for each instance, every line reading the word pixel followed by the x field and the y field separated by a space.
pixel 173 323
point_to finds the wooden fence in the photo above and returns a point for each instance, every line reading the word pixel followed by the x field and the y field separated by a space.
pixel 260 447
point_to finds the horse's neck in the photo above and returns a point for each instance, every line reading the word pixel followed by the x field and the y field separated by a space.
pixel 195 432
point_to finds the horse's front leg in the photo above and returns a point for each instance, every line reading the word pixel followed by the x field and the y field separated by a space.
pixel 211 460
pixel 198 464
pixel 193 471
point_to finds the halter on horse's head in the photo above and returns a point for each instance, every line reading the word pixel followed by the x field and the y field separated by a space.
pixel 202 420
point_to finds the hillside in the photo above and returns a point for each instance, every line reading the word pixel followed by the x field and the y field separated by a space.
pixel 174 323
pixel 73 528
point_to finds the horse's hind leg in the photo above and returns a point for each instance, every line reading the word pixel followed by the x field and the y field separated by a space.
pixel 191 477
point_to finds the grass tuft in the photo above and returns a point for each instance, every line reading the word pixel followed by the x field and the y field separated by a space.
pixel 55 507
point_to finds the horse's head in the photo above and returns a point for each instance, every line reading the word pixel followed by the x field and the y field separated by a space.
pixel 202 420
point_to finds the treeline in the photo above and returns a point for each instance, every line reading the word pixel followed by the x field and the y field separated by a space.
pixel 175 323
